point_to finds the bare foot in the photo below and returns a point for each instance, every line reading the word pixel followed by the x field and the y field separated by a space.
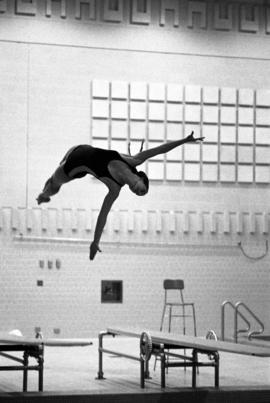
pixel 193 139
pixel 42 199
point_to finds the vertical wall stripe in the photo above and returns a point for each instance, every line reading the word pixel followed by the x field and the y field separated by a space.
pixel 130 221
pixel 27 123
pixel 88 221
pixel 265 227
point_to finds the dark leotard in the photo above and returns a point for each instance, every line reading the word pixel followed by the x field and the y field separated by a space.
pixel 96 159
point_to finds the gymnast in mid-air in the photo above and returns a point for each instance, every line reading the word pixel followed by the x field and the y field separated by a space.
pixel 113 169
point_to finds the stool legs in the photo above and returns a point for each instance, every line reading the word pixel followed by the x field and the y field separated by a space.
pixel 162 317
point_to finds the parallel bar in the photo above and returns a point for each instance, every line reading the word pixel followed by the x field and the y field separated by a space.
pixel 131 357
pixel 18 368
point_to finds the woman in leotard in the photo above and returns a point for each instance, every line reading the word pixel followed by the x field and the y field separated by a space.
pixel 113 169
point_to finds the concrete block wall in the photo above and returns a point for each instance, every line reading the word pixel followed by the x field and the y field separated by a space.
pixel 49 58
pixel 68 301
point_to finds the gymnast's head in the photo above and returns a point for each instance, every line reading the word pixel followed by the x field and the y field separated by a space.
pixel 141 186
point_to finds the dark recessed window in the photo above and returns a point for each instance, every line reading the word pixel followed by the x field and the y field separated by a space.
pixel 112 291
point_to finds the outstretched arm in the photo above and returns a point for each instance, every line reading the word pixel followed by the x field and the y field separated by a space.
pixel 101 221
pixel 163 148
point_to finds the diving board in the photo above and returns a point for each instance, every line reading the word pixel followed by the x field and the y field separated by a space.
pixel 32 347
pixel 6 338
pixel 159 344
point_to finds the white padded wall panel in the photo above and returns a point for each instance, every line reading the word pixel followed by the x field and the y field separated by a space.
pixel 210 114
pixel 100 108
pixel 156 170
pixel 210 95
pixel 156 131
pixel 138 110
pixel 227 173
pixel 138 130
pixel 228 96
pixel 100 89
pixel 262 155
pixel 245 135
pixel 227 153
pixel 174 171
pixel 245 116
pixel 192 113
pixel 191 152
pixel 192 172
pixel 245 174
pixel 119 90
pixel 246 96
pixel 119 129
pixel 156 92
pixel 263 116
pixel 263 97
pixel 210 133
pixel 262 174
pixel 119 110
pixel 209 173
pixel 228 134
pixel 228 115
pixel 138 90
pixel 174 93
pixel 174 131
pixel 100 128
pixel 174 112
pixel 156 111
pixel 193 93
pixel 176 154
pixel 262 135
pixel 245 154
pixel 209 153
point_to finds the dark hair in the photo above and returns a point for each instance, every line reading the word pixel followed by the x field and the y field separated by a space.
pixel 144 178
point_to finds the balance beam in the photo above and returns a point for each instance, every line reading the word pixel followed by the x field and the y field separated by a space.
pixel 157 343
pixel 32 347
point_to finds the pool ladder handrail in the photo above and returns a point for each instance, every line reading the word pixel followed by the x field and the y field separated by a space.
pixel 223 320
pixel 237 313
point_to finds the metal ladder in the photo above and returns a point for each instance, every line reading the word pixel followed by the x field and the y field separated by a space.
pixel 236 308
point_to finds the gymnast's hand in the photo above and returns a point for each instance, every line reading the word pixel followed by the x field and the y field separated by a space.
pixel 93 250
pixel 192 139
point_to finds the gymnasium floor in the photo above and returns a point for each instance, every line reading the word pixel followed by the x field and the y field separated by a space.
pixel 72 371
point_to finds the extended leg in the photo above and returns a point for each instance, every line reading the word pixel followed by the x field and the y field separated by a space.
pixel 164 148
pixel 53 185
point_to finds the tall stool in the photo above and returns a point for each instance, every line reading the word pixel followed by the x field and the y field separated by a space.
pixel 177 284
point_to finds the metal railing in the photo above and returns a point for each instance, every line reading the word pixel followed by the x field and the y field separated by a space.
pixel 236 308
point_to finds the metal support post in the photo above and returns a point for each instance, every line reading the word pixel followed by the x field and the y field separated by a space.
pixel 194 366
pixel 100 355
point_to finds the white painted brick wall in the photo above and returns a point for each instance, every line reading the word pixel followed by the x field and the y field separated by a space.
pixel 70 298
